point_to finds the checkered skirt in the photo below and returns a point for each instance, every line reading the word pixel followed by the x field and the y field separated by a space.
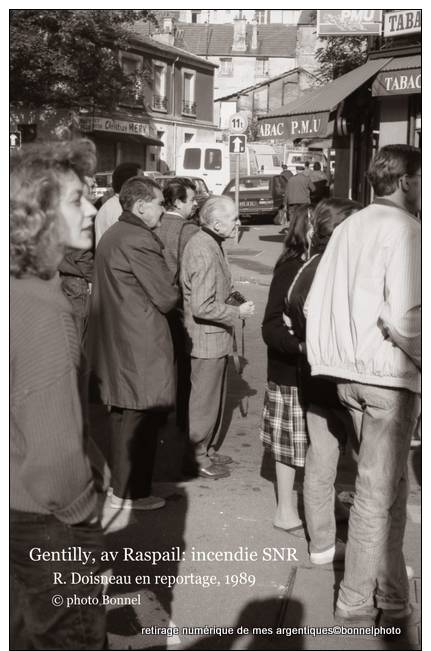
pixel 283 430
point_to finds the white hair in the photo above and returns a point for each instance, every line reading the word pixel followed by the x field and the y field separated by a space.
pixel 215 208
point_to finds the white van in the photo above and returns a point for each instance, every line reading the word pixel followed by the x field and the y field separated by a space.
pixel 212 162
pixel 267 159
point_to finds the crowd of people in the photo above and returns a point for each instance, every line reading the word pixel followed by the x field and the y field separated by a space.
pixel 148 312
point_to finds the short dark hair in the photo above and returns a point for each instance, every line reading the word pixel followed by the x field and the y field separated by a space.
pixel 177 189
pixel 317 167
pixel 307 163
pixel 327 215
pixel 123 172
pixel 390 164
pixel 138 187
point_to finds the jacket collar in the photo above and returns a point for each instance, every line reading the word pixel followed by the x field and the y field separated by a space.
pixel 130 218
pixel 216 237
pixel 387 202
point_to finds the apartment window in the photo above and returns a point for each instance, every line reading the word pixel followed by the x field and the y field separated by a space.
pixel 262 66
pixel 189 104
pixel 195 16
pixel 262 16
pixel 160 100
pixel 132 68
pixel 226 67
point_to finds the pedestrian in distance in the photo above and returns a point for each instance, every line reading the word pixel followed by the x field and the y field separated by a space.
pixel 283 430
pixel 111 209
pixel 129 343
pixel 53 498
pixel 207 285
pixel 363 329
pixel 298 189
pixel 328 422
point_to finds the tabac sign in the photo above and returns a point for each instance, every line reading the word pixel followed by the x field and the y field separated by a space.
pixel 400 23
pixel 114 126
pixel 294 126
pixel 333 22
pixel 398 82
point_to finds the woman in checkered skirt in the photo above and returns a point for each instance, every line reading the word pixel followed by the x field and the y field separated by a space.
pixel 283 430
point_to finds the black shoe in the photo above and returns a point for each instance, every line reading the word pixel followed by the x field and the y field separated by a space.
pixel 213 472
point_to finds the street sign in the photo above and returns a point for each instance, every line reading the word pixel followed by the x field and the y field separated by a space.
pixel 237 144
pixel 238 123
pixel 15 139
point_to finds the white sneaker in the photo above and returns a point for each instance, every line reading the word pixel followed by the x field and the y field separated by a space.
pixel 332 555
pixel 150 503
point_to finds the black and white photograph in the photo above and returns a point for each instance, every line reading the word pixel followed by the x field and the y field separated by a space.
pixel 215 329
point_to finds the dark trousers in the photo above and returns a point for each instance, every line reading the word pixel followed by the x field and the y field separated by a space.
pixel 41 615
pixel 207 401
pixel 133 450
pixel 183 367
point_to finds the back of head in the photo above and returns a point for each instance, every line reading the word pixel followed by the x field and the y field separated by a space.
pixel 390 164
pixel 135 189
pixel 123 172
pixel 215 208
pixel 295 242
pixel 327 215
pixel 36 232
pixel 177 189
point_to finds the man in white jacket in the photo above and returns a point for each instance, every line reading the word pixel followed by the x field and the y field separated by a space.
pixel 363 329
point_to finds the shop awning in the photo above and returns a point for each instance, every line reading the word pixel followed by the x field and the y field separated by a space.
pixel 401 76
pixel 309 114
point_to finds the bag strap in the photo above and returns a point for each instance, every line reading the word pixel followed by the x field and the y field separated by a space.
pixel 298 273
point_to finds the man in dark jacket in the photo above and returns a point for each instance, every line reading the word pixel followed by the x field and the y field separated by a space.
pixel 175 230
pixel 130 345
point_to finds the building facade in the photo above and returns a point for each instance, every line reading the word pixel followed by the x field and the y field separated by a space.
pixel 172 103
pixel 259 99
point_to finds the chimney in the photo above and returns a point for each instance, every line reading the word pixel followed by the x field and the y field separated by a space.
pixel 167 25
pixel 239 34
pixel 166 33
pixel 254 35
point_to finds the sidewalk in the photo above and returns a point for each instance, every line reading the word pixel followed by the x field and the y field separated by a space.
pixel 271 584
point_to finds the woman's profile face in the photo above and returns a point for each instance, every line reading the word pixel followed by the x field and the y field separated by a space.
pixel 76 211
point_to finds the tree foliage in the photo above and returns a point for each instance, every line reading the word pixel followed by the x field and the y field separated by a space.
pixel 341 54
pixel 66 57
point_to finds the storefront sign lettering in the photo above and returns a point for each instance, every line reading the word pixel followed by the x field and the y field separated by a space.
pixel 398 82
pixel 349 21
pixel 114 126
pixel 294 126
pixel 398 23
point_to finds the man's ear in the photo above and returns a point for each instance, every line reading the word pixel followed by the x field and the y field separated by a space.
pixel 404 183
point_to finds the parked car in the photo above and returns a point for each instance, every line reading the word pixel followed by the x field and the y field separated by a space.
pixel 259 196
pixel 103 183
pixel 202 192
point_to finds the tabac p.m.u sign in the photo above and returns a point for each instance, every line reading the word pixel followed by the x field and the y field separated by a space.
pixel 237 144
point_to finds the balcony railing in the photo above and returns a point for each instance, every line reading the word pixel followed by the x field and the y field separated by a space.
pixel 189 108
pixel 160 103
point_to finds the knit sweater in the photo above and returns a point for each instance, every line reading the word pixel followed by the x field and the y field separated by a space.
pixel 50 473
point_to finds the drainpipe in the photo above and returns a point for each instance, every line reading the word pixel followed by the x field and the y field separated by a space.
pixel 173 110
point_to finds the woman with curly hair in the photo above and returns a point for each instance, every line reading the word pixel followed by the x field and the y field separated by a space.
pixel 328 423
pixel 283 430
pixel 53 499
